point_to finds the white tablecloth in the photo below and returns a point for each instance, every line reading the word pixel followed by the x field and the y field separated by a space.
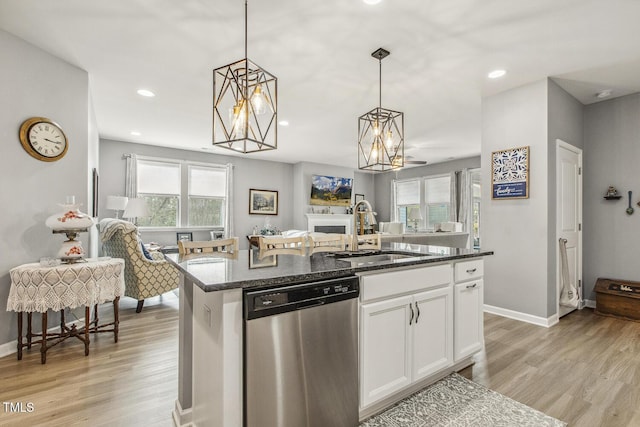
pixel 35 288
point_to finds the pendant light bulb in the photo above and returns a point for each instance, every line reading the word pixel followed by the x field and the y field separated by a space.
pixel 238 119
pixel 389 140
pixel 259 101
pixel 376 129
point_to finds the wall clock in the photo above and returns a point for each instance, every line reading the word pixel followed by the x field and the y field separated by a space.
pixel 43 139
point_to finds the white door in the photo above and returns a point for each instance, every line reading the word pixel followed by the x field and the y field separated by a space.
pixel 432 329
pixel 385 340
pixel 569 217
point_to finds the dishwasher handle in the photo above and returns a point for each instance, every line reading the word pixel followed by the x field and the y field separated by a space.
pixel 309 304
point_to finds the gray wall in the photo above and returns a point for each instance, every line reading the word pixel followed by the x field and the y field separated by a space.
pixel 34 83
pixel 517 230
pixel 611 157
pixel 383 180
pixel 248 173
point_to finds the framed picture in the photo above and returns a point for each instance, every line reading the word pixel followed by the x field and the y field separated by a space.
pixel 263 202
pixel 510 173
pixel 359 197
pixel 256 262
pixel 186 236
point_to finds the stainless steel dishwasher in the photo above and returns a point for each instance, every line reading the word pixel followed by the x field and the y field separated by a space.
pixel 301 355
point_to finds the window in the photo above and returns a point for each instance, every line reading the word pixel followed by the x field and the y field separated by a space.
pixel 407 199
pixel 181 194
pixel 433 202
pixel 437 196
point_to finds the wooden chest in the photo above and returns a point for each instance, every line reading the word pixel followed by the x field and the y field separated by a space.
pixel 618 298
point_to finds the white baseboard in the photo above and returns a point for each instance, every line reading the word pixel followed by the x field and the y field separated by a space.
pixel 589 303
pixel 8 348
pixel 523 317
pixel 181 417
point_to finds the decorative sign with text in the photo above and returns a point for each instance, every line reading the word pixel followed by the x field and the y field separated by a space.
pixel 510 173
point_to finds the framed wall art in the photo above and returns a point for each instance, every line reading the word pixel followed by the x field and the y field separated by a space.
pixel 263 202
pixel 186 236
pixel 510 173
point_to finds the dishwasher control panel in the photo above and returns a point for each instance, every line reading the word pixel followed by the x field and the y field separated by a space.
pixel 294 297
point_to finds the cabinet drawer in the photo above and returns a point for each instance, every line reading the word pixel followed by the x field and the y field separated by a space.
pixel 398 282
pixel 468 270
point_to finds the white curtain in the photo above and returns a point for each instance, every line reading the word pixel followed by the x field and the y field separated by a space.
pixel 228 219
pixel 130 180
pixel 465 199
pixel 453 197
pixel 394 214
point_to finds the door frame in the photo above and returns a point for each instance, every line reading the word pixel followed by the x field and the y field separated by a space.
pixel 560 144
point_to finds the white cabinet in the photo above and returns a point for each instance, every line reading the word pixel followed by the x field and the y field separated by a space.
pixel 404 338
pixel 432 332
pixel 468 309
pixel 385 342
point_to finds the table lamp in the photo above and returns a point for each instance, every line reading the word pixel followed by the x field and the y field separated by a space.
pixel 415 216
pixel 136 208
pixel 70 222
pixel 117 203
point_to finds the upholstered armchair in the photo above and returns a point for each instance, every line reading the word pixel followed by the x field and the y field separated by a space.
pixel 144 277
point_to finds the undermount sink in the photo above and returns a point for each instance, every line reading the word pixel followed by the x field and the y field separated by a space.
pixel 358 261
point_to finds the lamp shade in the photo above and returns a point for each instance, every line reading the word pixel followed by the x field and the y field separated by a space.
pixel 136 208
pixel 415 215
pixel 117 203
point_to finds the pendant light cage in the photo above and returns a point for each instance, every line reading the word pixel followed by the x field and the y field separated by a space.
pixel 381 134
pixel 245 100
pixel 245 107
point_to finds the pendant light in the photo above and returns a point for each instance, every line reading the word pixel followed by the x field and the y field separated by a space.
pixel 381 133
pixel 245 105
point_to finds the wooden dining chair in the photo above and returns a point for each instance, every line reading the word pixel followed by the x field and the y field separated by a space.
pixel 229 245
pixel 281 245
pixel 330 242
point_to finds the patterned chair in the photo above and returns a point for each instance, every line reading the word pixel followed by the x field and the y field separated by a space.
pixel 144 278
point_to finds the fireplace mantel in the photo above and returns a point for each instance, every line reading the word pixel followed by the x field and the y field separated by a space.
pixel 314 220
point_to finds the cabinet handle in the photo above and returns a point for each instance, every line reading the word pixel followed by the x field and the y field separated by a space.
pixel 471 270
pixel 411 318
pixel 472 286
pixel 418 310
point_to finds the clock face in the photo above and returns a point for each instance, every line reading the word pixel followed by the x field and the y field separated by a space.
pixel 43 139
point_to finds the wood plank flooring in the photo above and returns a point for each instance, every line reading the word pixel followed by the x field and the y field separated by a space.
pixel 584 371
pixel 133 382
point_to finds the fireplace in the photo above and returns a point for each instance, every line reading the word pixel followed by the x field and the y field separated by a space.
pixel 329 223
pixel 339 229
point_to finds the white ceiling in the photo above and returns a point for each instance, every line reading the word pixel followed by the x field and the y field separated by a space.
pixel 441 52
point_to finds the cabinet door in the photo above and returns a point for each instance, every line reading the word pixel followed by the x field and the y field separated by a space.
pixel 384 348
pixel 469 301
pixel 432 330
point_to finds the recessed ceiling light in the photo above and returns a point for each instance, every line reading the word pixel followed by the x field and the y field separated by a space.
pixel 604 93
pixel 371 2
pixel 496 74
pixel 146 92
pixel 283 123
pixel 135 133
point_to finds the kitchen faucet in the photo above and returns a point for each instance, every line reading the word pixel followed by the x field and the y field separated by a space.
pixel 369 213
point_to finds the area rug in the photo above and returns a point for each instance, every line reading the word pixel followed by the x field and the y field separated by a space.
pixel 456 401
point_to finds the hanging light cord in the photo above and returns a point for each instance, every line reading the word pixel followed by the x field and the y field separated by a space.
pixel 380 86
pixel 245 28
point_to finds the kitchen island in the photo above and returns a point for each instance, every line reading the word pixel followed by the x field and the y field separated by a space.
pixel 210 388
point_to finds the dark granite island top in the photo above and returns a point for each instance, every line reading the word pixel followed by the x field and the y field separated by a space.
pixel 247 270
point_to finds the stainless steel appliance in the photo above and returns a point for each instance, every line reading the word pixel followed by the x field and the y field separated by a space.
pixel 301 355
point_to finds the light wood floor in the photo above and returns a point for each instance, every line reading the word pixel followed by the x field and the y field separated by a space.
pixel 133 382
pixel 584 371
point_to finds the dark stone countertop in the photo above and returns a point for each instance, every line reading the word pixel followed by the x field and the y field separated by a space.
pixel 247 270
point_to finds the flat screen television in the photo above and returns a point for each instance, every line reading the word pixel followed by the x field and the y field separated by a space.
pixel 330 190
